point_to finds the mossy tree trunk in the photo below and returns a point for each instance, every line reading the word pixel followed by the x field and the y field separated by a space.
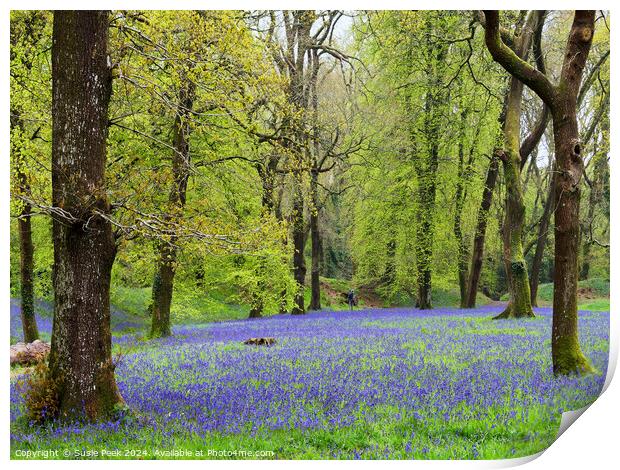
pixel 566 352
pixel 315 234
pixel 424 232
pixel 80 362
pixel 26 246
pixel 28 43
pixel 163 283
pixel 519 305
pixel 426 162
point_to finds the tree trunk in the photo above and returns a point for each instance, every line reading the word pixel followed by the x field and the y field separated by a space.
pixel 584 272
pixel 512 230
pixel 389 273
pixel 163 283
pixel 458 210
pixel 299 262
pixel 567 355
pixel 298 24
pixel 315 298
pixel 256 311
pixel 562 99
pixel 80 362
pixel 267 173
pixel 424 236
pixel 26 251
pixel 315 292
pixel 26 247
pixel 566 352
pixel 427 187
pixel 481 228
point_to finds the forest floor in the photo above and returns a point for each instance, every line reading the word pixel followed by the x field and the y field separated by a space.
pixel 372 383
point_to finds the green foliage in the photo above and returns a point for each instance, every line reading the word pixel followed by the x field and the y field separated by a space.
pixel 428 83
pixel 43 258
pixel 412 116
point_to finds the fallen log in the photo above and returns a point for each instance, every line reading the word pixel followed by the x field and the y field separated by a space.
pixel 260 341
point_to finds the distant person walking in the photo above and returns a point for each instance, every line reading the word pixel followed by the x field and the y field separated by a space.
pixel 351 299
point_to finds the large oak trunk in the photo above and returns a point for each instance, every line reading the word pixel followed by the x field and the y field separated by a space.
pixel 84 248
pixel 562 100
pixel 566 352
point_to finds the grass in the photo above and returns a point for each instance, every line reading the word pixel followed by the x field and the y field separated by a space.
pixel 596 305
pixel 187 307
pixel 593 295
pixel 389 437
pixel 597 287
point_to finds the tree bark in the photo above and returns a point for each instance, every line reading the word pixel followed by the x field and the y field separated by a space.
pixel 34 31
pixel 566 352
pixel 163 283
pixel 458 210
pixel 562 100
pixel 80 362
pixel 481 228
pixel 426 169
pixel 26 251
pixel 298 41
pixel 315 297
pixel 299 262
pixel 26 247
pixel 424 233
pixel 512 230
pixel 315 283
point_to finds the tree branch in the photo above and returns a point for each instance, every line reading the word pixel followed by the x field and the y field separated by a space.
pixel 517 67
